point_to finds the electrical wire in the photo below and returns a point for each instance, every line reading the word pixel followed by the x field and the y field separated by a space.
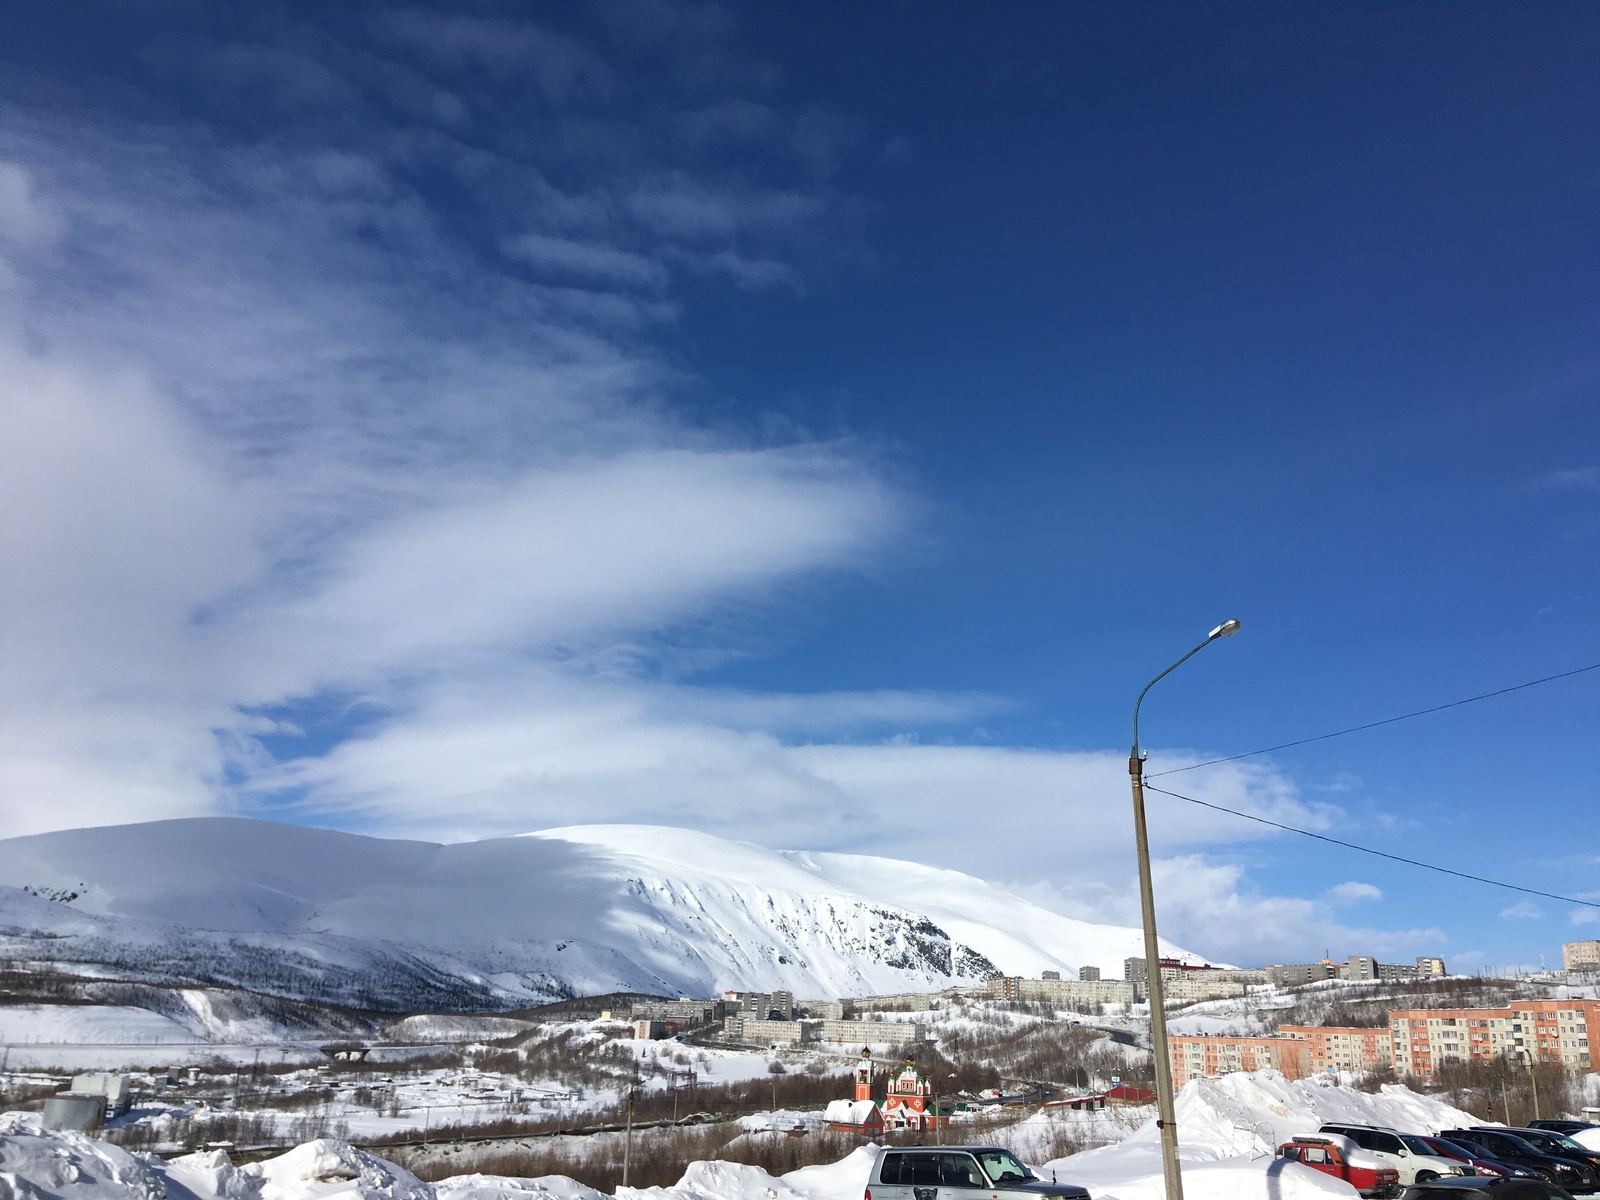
pixel 1411 862
pixel 1421 712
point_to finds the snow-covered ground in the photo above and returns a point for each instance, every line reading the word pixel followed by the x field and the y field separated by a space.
pixel 1227 1131
pixel 1229 1128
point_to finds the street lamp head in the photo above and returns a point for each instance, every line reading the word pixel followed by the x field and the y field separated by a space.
pixel 1227 629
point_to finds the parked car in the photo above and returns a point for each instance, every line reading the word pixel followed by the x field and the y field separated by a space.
pixel 1559 1145
pixel 960 1173
pixel 1415 1164
pixel 1479 1160
pixel 1338 1156
pixel 1563 1126
pixel 1487 1188
pixel 1508 1147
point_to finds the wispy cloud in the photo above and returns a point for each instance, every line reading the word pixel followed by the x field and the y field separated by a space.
pixel 1522 910
pixel 1343 895
pixel 337 394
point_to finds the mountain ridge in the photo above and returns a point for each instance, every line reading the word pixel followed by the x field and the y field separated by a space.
pixel 397 924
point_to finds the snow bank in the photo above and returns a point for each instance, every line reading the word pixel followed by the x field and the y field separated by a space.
pixel 1230 1128
pixel 718 1181
pixel 33 1163
pixel 500 1187
pixel 327 1167
pixel 843 1180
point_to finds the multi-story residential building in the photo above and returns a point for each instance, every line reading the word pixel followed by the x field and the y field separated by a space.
pixel 1359 966
pixel 763 1006
pixel 873 1033
pixel 1089 974
pixel 1425 1039
pixel 1133 970
pixel 1557 1031
pixel 1581 956
pixel 1201 985
pixel 1331 1048
pixel 1296 974
pixel 1062 991
pixel 770 1033
pixel 1546 1031
pixel 1206 1056
pixel 1430 966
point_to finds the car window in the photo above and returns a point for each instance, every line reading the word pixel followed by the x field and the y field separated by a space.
pixel 1314 1154
pixel 1003 1167
pixel 1386 1142
pixel 959 1171
pixel 921 1170
pixel 1416 1145
pixel 889 1172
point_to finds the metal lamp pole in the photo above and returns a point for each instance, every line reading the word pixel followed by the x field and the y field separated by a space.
pixel 1166 1120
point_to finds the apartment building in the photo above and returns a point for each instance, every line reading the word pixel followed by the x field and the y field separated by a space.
pixel 1545 1031
pixel 1424 1039
pixel 1557 1031
pixel 1581 956
pixel 1061 991
pixel 873 1033
pixel 1331 1048
pixel 1206 1056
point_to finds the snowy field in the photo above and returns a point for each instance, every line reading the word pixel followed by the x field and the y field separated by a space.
pixel 1228 1129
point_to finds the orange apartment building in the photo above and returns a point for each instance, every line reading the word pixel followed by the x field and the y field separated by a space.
pixel 1544 1031
pixel 1337 1048
pixel 1196 1056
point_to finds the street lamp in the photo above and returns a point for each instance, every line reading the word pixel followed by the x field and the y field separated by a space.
pixel 1166 1120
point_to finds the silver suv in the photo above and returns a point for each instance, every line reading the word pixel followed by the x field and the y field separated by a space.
pixel 960 1173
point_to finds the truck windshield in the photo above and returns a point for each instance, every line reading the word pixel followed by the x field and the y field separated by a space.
pixel 1003 1167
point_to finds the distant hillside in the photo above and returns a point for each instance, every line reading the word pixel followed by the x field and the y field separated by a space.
pixel 393 925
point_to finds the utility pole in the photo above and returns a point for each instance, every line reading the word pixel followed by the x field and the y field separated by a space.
pixel 1533 1078
pixel 1166 1117
pixel 627 1137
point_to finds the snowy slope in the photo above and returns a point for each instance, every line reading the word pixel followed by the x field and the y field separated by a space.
pixel 413 925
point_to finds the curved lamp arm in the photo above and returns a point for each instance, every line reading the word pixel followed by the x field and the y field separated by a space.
pixel 1227 629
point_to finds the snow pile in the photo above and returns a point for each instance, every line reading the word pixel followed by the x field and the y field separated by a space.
pixel 500 1187
pixel 33 1163
pixel 326 1167
pixel 1229 1130
pixel 843 1180
pixel 719 1181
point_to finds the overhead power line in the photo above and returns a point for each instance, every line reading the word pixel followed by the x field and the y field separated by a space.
pixel 1410 862
pixel 1421 712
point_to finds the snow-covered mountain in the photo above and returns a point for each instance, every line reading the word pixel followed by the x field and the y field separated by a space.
pixel 391 924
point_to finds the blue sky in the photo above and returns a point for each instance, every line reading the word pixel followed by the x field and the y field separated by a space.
pixel 814 425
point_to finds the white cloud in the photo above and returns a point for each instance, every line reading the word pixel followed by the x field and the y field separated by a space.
pixel 587 259
pixel 277 441
pixel 1585 916
pixel 1523 910
pixel 27 220
pixel 1342 895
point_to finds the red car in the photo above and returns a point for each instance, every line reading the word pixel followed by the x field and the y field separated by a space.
pixel 1343 1159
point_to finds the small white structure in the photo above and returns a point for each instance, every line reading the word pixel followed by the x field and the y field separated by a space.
pixel 113 1087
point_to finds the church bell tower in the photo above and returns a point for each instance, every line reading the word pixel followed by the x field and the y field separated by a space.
pixel 864 1075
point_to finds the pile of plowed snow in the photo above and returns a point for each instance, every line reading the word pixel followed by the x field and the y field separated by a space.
pixel 1229 1128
